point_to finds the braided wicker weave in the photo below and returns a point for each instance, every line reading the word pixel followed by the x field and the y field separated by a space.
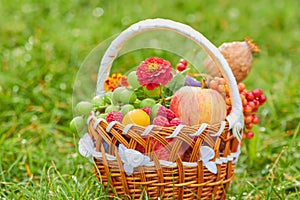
pixel 195 177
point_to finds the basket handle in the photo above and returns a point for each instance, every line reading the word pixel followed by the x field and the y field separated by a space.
pixel 235 118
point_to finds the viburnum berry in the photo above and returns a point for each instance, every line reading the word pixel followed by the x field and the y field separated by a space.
pixel 249 126
pixel 249 96
pixel 251 101
pixel 255 119
pixel 183 61
pixel 241 87
pixel 180 67
pixel 262 99
pixel 249 135
pixel 257 92
pixel 248 109
pixel 248 119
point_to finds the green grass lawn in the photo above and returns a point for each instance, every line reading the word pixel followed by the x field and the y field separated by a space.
pixel 43 43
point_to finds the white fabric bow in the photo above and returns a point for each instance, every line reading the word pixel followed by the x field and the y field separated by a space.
pixel 132 158
pixel 207 154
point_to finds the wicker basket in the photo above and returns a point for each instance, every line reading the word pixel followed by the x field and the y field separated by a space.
pixel 214 148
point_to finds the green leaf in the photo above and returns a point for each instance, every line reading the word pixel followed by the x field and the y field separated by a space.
pixel 176 82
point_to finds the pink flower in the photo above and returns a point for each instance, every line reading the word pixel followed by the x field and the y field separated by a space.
pixel 153 72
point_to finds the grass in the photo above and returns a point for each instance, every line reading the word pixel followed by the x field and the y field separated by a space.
pixel 44 43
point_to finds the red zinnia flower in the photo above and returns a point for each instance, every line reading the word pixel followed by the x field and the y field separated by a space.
pixel 154 71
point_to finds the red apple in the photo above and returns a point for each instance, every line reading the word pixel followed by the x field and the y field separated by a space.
pixel 194 105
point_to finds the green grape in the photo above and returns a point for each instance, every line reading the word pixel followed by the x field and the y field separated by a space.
pixel 117 94
pixel 84 108
pixel 108 97
pixel 148 102
pixel 126 108
pixel 111 108
pixel 154 110
pixel 102 115
pixel 99 103
pixel 77 124
pixel 132 80
pixel 127 96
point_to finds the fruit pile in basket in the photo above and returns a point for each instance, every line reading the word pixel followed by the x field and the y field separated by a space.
pixel 157 93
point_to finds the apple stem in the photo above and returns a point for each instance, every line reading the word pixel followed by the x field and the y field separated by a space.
pixel 163 101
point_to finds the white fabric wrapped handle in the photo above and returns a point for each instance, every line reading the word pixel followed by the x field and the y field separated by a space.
pixel 235 118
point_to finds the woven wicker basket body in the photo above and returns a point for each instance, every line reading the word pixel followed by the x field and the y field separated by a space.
pixel 179 182
pixel 178 178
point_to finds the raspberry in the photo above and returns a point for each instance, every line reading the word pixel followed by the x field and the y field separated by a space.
pixel 175 122
pixel 114 116
pixel 187 154
pixel 147 110
pixel 161 152
pixel 163 111
pixel 161 121
pixel 164 154
pixel 140 148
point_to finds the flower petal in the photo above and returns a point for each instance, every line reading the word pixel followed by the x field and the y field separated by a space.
pixel 153 72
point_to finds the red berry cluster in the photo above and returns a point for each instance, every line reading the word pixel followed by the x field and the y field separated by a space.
pixel 251 101
pixel 181 65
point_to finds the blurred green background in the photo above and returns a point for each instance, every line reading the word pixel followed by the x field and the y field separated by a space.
pixel 43 43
